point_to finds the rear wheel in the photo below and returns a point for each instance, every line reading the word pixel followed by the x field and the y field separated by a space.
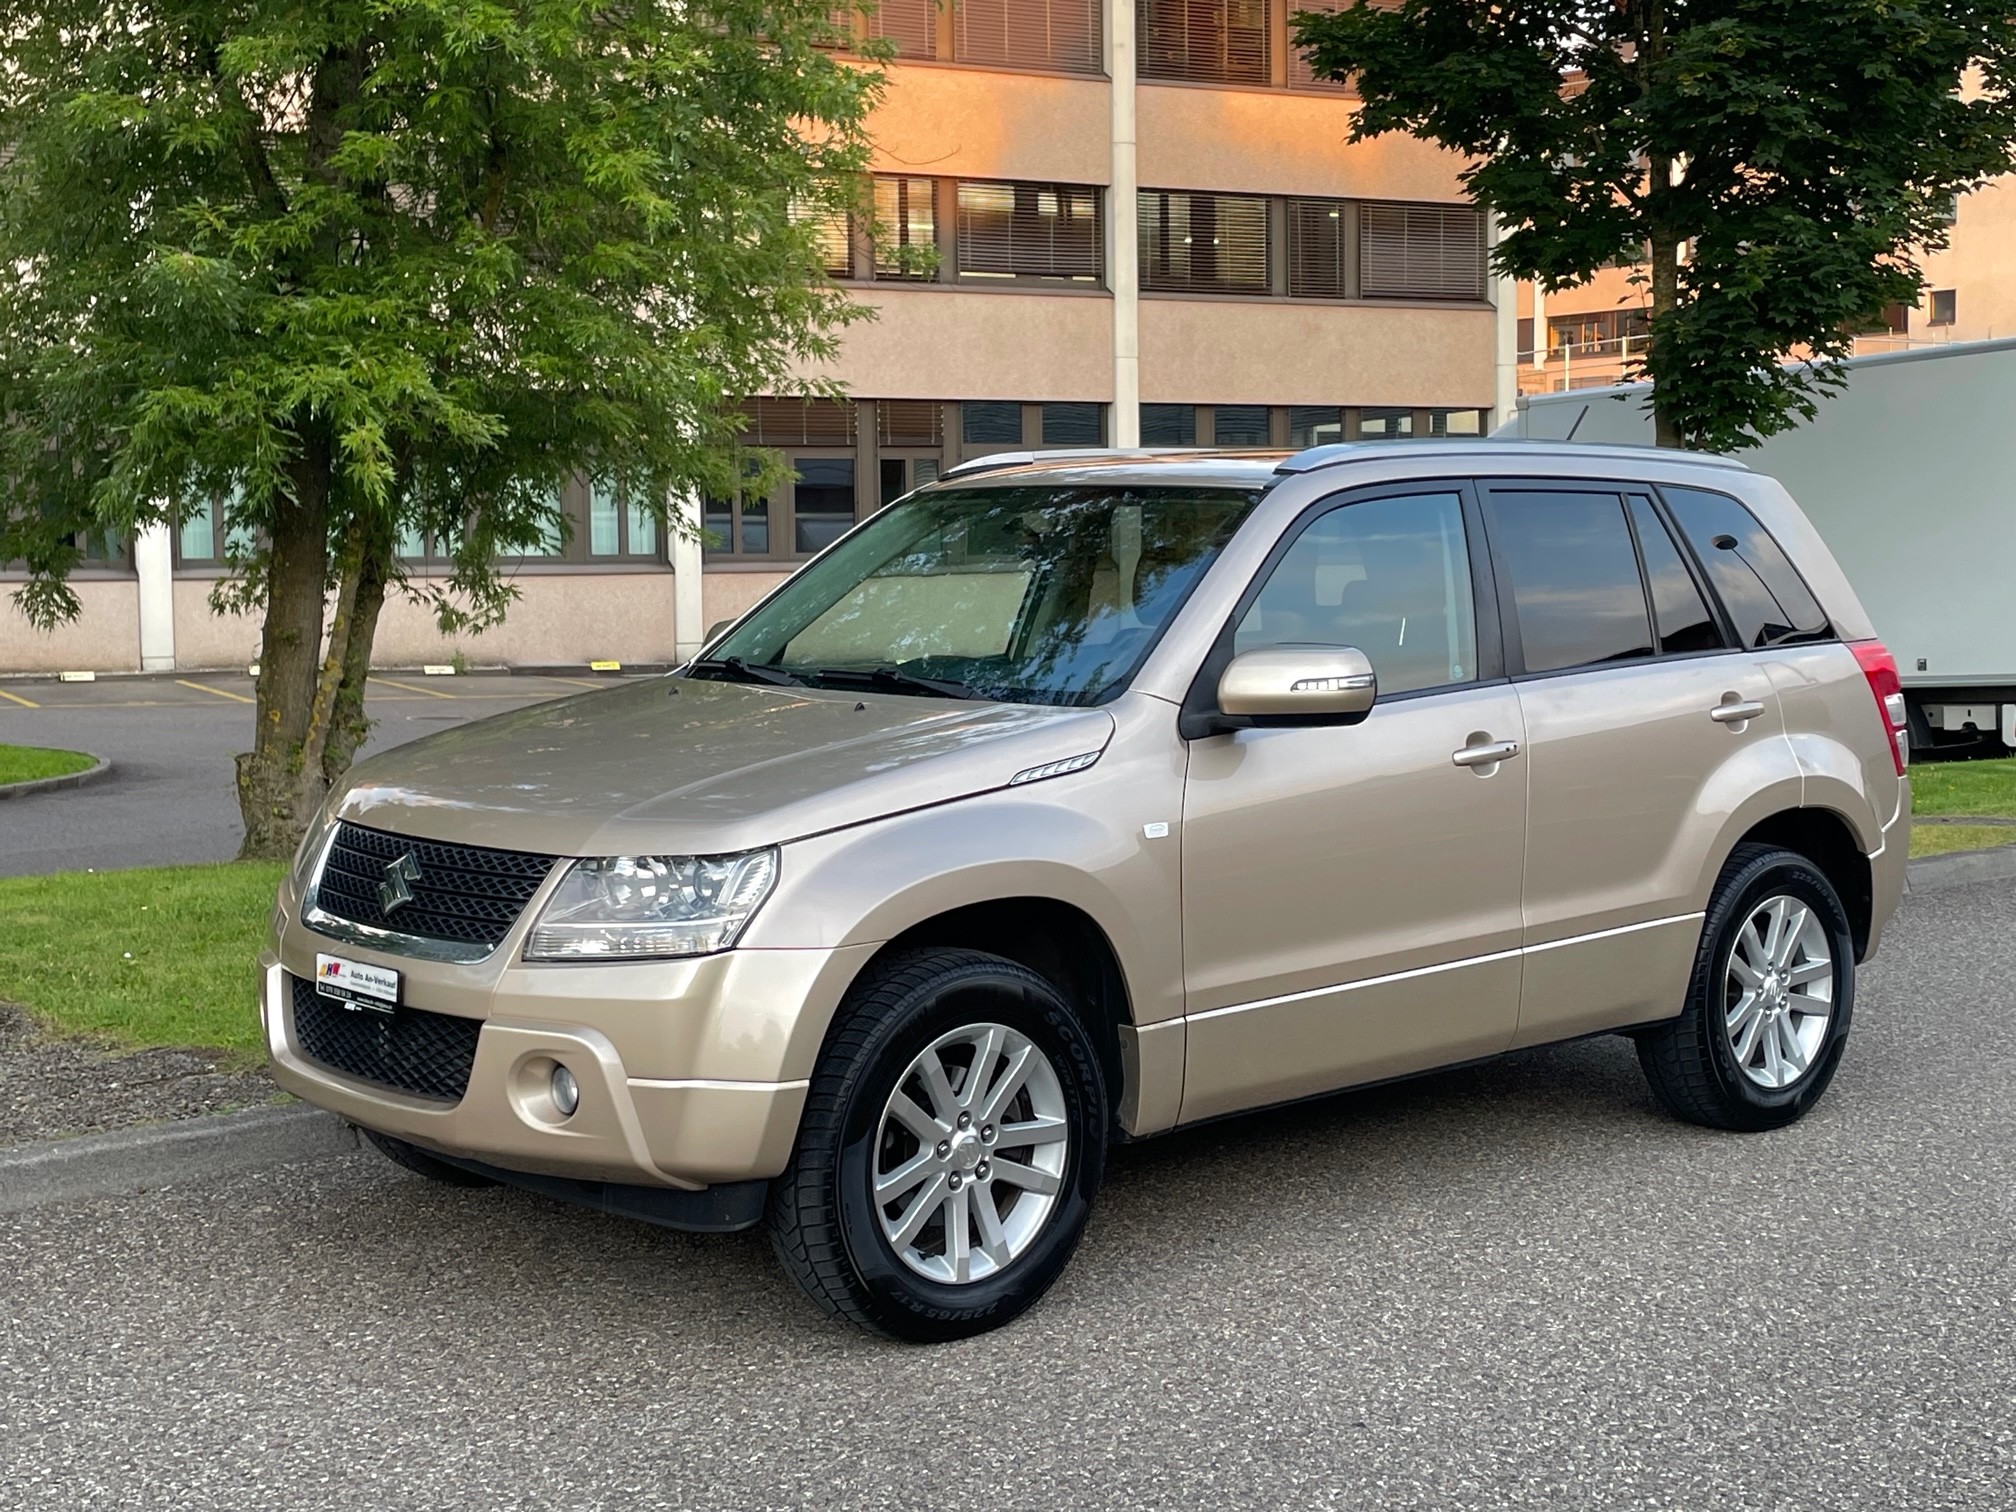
pixel 953 1140
pixel 420 1163
pixel 1769 1002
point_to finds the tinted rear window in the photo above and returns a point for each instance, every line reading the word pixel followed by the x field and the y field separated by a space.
pixel 1576 593
pixel 1682 614
pixel 1758 585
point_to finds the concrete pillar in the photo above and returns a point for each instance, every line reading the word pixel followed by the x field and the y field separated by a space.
pixel 1505 295
pixel 1122 213
pixel 154 565
pixel 689 624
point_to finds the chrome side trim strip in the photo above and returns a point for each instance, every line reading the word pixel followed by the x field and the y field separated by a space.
pixel 1422 971
pixel 704 1084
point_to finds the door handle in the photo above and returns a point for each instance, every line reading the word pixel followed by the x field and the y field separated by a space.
pixel 1735 713
pixel 1489 754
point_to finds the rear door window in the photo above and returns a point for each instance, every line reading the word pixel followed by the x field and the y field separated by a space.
pixel 1757 583
pixel 1679 612
pixel 1577 599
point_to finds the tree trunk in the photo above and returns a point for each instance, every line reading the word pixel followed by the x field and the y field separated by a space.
pixel 273 799
pixel 1665 295
pixel 349 726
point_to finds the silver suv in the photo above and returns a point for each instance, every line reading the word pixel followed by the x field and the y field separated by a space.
pixel 1081 798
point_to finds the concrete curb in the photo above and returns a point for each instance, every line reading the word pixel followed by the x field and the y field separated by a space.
pixel 57 784
pixel 1962 867
pixel 138 1160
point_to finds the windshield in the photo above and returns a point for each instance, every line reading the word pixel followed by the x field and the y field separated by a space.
pixel 1027 595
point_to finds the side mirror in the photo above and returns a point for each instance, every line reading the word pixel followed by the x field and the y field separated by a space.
pixel 1297 685
pixel 715 629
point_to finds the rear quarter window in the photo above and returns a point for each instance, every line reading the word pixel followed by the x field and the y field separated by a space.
pixel 1768 603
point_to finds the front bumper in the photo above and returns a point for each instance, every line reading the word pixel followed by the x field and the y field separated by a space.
pixel 691 1073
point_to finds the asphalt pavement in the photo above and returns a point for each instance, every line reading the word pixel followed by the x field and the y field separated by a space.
pixel 1515 1286
pixel 172 740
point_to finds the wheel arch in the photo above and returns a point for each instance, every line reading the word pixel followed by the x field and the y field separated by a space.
pixel 1827 839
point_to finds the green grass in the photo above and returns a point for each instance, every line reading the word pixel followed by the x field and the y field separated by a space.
pixel 1938 839
pixel 1968 789
pixel 159 956
pixel 27 763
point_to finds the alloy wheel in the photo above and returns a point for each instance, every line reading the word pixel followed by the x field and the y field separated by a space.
pixel 1778 993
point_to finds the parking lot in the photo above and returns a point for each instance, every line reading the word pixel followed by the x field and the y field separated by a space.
pixel 1512 1286
pixel 171 740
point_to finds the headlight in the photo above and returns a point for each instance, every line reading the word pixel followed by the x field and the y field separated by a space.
pixel 630 907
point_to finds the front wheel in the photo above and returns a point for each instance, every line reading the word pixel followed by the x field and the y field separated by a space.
pixel 1769 1001
pixel 954 1137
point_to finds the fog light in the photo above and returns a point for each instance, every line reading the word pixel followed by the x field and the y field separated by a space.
pixel 566 1091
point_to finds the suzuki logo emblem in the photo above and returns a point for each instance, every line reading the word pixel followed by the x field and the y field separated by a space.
pixel 396 891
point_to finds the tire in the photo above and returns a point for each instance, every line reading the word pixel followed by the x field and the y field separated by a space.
pixel 829 1231
pixel 1698 1064
pixel 420 1163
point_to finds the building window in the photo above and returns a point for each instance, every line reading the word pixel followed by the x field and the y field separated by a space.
pixel 813 506
pixel 1300 74
pixel 1073 424
pixel 1314 425
pixel 1044 34
pixel 1317 241
pixel 1203 243
pixel 1944 303
pixel 205 538
pixel 910 445
pixel 1457 422
pixel 1420 251
pixel 1168 425
pixel 1380 424
pixel 1239 425
pixel 1596 328
pixel 832 235
pixel 1020 231
pixel 991 424
pixel 1215 41
pixel 906 222
pixel 1051 36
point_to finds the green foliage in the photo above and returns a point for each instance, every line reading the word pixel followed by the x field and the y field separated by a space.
pixel 461 251
pixel 1802 153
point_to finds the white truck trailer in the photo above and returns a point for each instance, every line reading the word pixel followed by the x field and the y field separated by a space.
pixel 1910 475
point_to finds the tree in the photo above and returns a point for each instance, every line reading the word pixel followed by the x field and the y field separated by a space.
pixel 375 267
pixel 1779 164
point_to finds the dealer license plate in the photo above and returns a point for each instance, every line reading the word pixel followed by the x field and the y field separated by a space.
pixel 357 984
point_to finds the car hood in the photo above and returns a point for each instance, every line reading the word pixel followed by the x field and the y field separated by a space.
pixel 681 766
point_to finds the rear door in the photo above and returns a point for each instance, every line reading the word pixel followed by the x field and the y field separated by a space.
pixel 1643 724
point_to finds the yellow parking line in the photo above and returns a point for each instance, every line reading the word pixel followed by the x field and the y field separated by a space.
pixel 579 682
pixel 410 688
pixel 26 703
pixel 183 682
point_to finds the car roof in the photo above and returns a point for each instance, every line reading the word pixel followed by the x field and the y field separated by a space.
pixel 1202 468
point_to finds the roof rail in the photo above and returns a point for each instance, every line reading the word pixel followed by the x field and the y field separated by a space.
pixel 994 460
pixel 1334 452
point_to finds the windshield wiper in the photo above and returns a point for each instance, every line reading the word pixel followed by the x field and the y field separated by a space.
pixel 896 680
pixel 742 671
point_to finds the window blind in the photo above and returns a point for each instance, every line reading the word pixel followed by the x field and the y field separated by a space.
pixel 798 422
pixel 1019 230
pixel 910 422
pixel 1421 251
pixel 911 24
pixel 1048 34
pixel 906 220
pixel 1316 243
pixel 1203 243
pixel 1300 74
pixel 1223 41
pixel 831 234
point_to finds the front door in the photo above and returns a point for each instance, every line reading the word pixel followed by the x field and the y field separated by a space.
pixel 1351 895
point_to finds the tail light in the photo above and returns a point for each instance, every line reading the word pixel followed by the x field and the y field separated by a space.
pixel 1880 667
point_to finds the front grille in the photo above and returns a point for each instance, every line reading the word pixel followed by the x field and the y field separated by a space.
pixel 427 1054
pixel 465 893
